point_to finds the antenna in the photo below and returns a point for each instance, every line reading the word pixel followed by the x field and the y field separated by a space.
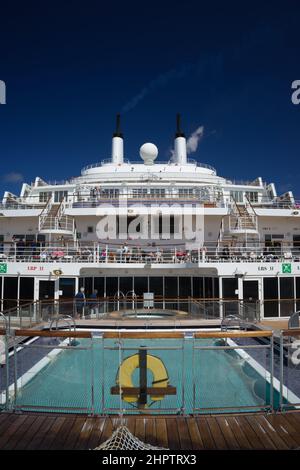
pixel 179 132
pixel 118 127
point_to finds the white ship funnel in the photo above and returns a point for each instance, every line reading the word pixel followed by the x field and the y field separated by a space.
pixel 180 155
pixel 117 153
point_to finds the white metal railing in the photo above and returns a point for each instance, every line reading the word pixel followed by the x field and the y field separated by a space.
pixel 65 223
pixel 44 215
pixel 140 162
pixel 238 224
pixel 97 252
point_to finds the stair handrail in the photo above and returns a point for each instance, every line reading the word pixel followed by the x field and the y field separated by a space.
pixel 250 204
pixel 43 215
pixel 61 209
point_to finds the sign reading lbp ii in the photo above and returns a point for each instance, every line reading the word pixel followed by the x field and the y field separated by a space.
pixel 286 268
pixel 3 268
pixel 2 92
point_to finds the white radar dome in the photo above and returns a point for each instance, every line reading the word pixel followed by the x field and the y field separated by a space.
pixel 148 153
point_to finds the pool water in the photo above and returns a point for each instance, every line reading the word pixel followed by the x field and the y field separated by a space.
pixel 205 380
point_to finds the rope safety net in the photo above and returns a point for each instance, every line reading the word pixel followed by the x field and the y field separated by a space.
pixel 123 439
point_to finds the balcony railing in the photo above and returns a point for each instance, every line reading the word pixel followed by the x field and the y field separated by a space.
pixel 147 253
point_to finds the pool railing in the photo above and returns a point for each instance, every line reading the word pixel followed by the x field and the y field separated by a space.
pixel 83 371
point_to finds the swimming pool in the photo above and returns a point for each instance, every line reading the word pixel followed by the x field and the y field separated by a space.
pixel 82 378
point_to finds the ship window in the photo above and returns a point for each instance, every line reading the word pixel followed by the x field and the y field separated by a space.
pixel 270 297
pixel 18 237
pixel 126 284
pixel 60 195
pixel 140 285
pixel 286 292
pixel 296 241
pixel 185 287
pixel 109 193
pixel 157 192
pixel 44 196
pixel 171 286
pixel 216 287
pixel 99 285
pixel 139 192
pixel 230 285
pixel 67 286
pixel 208 287
pixel 237 196
pixel 298 293
pixel 198 287
pixel 185 192
pixel 26 289
pixel 111 286
pixel 90 229
pixel 41 238
pixel 156 286
pixel 252 196
pixel 10 292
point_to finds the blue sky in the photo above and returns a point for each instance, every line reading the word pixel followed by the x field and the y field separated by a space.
pixel 70 67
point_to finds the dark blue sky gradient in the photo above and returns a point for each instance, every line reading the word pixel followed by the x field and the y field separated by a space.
pixel 70 67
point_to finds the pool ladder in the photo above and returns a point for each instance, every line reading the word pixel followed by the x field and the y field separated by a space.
pixel 68 320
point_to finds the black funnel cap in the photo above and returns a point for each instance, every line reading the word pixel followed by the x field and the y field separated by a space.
pixel 179 132
pixel 118 132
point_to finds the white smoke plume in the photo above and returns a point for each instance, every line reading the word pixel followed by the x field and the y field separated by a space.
pixel 194 139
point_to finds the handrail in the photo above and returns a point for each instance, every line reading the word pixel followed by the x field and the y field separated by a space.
pixel 142 334
pixel 250 204
pixel 291 332
pixel 51 334
pixel 233 334
pixel 236 206
pixel 3 317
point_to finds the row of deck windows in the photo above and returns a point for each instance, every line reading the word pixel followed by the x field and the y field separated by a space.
pixel 281 294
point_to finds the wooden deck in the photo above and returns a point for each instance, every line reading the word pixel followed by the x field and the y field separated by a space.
pixel 37 431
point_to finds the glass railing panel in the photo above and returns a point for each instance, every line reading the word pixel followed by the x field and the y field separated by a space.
pixel 231 373
pixel 143 374
pixel 290 369
pixel 4 371
pixel 53 374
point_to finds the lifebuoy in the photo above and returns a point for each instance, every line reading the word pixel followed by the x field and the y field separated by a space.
pixel 128 366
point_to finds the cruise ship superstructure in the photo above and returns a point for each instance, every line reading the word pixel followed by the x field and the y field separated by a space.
pixel 53 242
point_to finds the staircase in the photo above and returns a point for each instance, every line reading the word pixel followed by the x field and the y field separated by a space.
pixel 242 219
pixel 54 220
pixel 241 224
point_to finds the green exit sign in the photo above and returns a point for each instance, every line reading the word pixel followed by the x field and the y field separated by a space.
pixel 286 268
pixel 3 268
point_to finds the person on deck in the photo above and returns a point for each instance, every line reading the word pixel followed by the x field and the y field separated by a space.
pixel 93 303
pixel 80 302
